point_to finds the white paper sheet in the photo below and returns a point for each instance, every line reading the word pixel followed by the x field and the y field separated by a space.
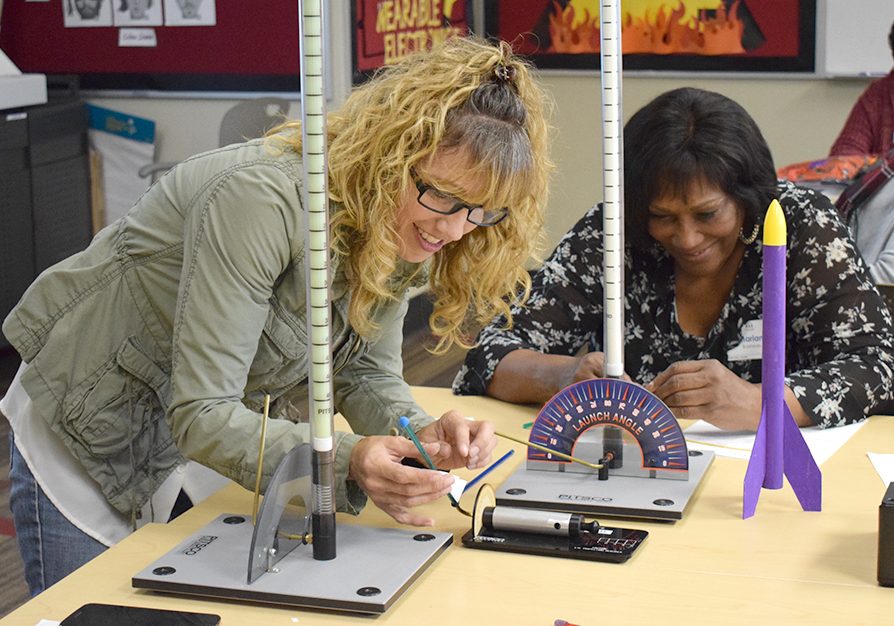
pixel 884 465
pixel 7 67
pixel 823 442
pixel 459 485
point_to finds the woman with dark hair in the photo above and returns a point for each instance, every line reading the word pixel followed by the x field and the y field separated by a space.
pixel 698 178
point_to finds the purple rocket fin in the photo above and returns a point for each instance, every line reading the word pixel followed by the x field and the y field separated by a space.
pixel 757 466
pixel 800 468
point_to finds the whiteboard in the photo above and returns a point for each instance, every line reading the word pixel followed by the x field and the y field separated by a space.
pixel 853 37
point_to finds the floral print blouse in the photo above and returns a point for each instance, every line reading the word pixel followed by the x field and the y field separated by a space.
pixel 839 345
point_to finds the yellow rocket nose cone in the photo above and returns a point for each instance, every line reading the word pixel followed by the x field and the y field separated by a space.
pixel 774 225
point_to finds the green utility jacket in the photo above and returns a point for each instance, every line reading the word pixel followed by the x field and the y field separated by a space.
pixel 162 337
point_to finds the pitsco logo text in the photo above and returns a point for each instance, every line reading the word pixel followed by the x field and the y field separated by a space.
pixel 576 498
pixel 198 544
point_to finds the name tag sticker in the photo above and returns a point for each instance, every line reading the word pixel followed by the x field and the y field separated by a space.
pixel 137 38
pixel 752 345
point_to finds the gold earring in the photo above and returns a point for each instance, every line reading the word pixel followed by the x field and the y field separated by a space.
pixel 750 239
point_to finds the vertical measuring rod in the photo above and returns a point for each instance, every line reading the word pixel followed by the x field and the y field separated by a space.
pixel 610 55
pixel 316 254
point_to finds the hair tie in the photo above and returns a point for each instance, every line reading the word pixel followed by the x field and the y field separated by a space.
pixel 504 73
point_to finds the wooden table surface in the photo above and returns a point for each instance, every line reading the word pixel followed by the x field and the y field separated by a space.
pixel 783 566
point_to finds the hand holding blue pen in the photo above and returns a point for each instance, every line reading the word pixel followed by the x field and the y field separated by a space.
pixel 404 424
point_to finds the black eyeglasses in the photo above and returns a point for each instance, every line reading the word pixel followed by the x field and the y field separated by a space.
pixel 435 200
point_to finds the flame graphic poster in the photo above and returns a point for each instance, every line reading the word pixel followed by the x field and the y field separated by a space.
pixel 675 35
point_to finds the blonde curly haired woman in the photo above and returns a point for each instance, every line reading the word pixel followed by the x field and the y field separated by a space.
pixel 158 343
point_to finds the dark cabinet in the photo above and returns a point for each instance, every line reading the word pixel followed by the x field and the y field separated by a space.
pixel 44 193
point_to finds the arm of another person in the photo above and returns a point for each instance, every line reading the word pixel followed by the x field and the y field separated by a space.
pixel 882 269
pixel 529 377
pixel 872 224
pixel 876 239
pixel 536 358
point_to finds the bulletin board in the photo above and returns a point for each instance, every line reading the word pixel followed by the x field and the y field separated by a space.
pixel 674 35
pixel 252 46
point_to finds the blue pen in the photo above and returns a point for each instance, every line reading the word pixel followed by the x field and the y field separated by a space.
pixel 404 424
pixel 488 470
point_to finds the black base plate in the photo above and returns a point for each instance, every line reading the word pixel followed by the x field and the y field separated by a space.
pixel 613 545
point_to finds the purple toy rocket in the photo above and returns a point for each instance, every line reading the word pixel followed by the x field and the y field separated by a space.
pixel 779 447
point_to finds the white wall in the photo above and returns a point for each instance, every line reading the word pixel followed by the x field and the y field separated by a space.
pixel 852 37
pixel 800 118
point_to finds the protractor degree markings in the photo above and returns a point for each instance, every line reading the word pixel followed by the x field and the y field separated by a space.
pixel 553 435
pixel 546 434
